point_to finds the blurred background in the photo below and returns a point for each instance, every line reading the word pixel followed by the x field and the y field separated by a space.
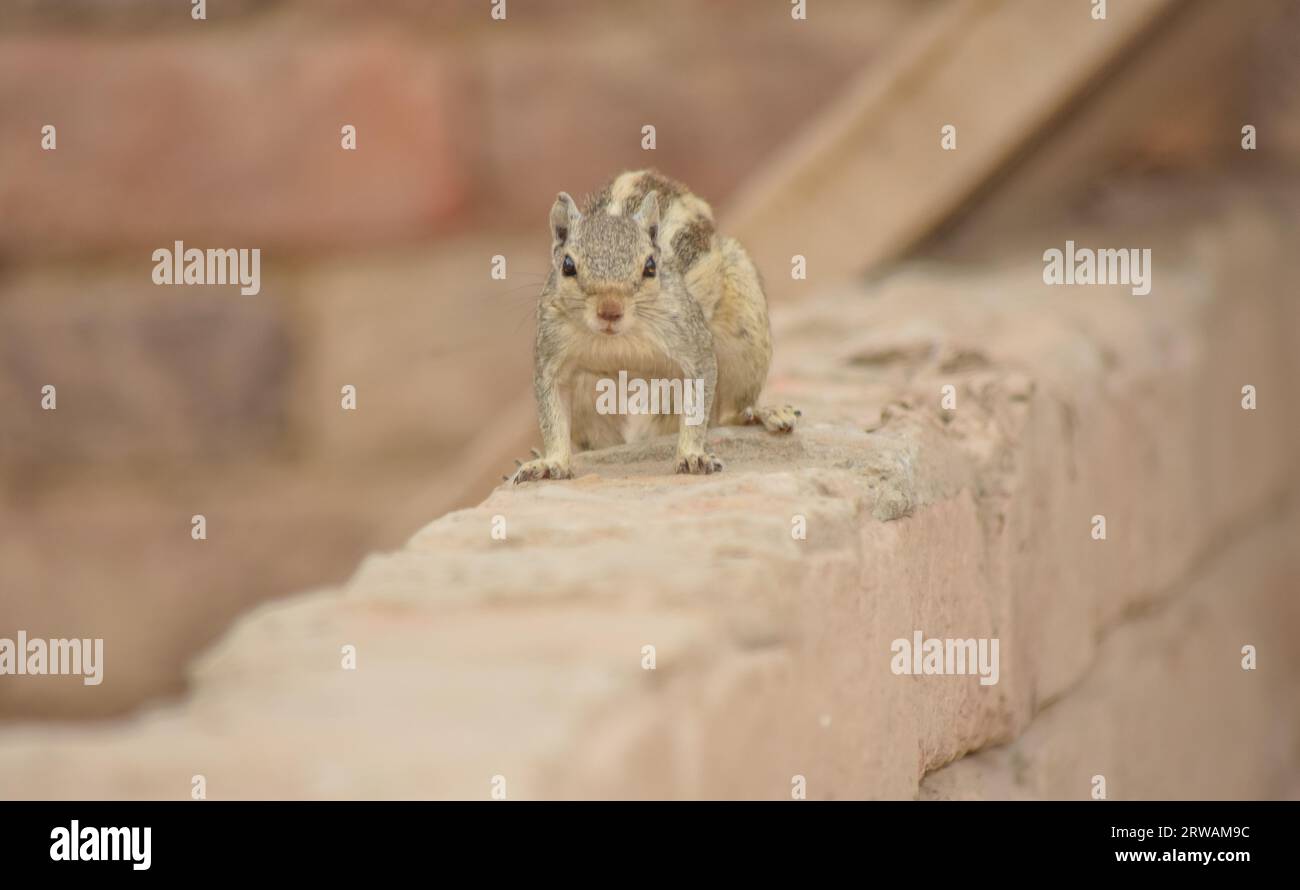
pixel 375 272
pixel 376 263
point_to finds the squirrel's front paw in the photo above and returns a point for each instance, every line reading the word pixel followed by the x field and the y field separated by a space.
pixel 774 420
pixel 698 463
pixel 542 469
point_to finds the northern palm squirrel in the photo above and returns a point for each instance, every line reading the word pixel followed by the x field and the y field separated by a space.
pixel 641 282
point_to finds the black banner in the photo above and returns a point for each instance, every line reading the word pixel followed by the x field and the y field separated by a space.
pixel 216 839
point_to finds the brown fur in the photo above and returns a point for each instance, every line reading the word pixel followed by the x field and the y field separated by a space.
pixel 702 316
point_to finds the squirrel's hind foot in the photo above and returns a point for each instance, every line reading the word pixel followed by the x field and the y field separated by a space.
pixel 774 420
pixel 698 463
pixel 541 468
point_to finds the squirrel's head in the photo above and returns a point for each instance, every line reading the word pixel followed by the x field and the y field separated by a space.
pixel 606 264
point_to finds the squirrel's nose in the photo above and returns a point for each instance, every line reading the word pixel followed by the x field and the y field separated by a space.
pixel 609 310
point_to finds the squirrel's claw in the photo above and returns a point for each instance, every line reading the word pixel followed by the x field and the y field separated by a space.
pixel 774 420
pixel 542 469
pixel 698 464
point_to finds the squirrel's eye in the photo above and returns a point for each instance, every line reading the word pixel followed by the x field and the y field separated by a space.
pixel 649 271
pixel 568 267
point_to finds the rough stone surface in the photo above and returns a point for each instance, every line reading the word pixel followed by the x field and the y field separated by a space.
pixel 1168 687
pixel 523 658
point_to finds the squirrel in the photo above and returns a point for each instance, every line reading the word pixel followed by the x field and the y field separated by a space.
pixel 641 282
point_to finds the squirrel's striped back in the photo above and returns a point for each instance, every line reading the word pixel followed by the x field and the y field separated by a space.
pixel 686 232
pixel 688 241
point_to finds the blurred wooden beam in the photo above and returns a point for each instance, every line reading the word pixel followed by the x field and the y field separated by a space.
pixel 1174 109
pixel 869 179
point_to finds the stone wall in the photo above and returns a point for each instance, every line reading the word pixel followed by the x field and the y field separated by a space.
pixel 525 658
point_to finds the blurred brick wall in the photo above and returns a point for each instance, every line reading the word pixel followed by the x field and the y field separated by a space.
pixel 229 128
pixel 225 133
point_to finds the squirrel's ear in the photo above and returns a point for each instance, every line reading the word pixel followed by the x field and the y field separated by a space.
pixel 564 213
pixel 647 215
